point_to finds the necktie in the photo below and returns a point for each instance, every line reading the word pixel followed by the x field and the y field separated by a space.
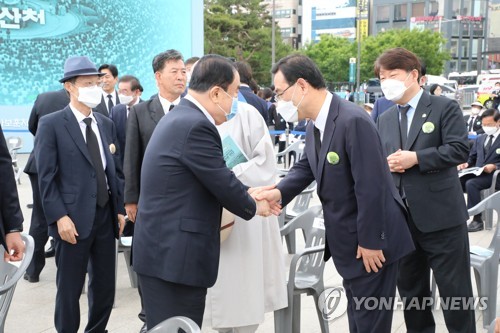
pixel 471 123
pixel 488 144
pixel 317 141
pixel 110 103
pixel 171 107
pixel 95 157
pixel 403 124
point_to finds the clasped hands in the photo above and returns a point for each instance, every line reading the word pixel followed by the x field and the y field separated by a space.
pixel 401 160
pixel 266 200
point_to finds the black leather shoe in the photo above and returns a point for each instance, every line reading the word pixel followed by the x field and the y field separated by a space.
pixel 32 279
pixel 144 329
pixel 475 226
pixel 50 252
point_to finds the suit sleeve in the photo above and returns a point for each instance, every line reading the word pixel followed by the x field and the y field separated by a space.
pixel 454 148
pixel 132 159
pixel 370 173
pixel 473 154
pixel 11 215
pixel 33 119
pixel 47 158
pixel 298 178
pixel 203 156
pixel 120 179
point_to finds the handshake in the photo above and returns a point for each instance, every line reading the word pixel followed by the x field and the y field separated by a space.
pixel 267 199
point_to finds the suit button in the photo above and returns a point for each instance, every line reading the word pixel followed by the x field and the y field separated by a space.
pixel 382 235
pixel 93 195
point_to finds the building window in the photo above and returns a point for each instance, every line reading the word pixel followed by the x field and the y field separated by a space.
pixel 283 13
pixel 286 32
pixel 383 13
pixel 418 9
pixel 400 12
pixel 299 20
pixel 382 27
pixel 454 48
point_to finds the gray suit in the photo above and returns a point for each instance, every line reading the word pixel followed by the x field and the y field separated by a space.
pixel 141 123
pixel 437 209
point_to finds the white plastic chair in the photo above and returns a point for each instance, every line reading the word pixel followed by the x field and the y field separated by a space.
pixel 297 148
pixel 9 276
pixel 172 325
pixel 485 261
pixel 306 271
pixel 14 143
pixel 488 214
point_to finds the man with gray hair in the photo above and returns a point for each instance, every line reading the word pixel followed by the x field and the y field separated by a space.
pixel 170 75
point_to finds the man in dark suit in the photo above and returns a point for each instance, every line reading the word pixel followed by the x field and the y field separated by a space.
pixel 170 75
pixel 79 175
pixel 110 97
pixel 366 231
pixel 485 153
pixel 381 105
pixel 184 185
pixel 130 90
pixel 251 98
pixel 425 140
pixel 44 104
pixel 349 96
pixel 11 217
pixel 473 120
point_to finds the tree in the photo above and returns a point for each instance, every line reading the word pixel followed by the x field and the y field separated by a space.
pixel 332 54
pixel 242 29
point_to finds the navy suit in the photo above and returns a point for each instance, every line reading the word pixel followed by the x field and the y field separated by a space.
pixel 11 217
pixel 68 186
pixel 381 105
pixel 437 208
pixel 473 185
pixel 45 103
pixel 254 100
pixel 184 185
pixel 361 206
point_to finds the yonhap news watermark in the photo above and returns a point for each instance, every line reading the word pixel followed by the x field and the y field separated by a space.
pixel 333 303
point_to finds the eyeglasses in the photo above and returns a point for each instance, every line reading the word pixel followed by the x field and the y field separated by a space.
pixel 278 96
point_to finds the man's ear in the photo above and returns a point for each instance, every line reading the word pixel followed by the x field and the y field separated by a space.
pixel 303 85
pixel 214 94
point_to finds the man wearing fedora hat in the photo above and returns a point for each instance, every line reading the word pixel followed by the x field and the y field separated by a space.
pixel 80 180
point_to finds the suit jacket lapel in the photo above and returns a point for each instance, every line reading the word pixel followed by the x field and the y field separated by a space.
pixel 156 111
pixel 75 132
pixel 419 117
pixel 493 148
pixel 310 148
pixel 333 113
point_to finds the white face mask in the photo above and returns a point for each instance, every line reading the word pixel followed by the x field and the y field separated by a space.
pixel 124 99
pixel 287 110
pixel 394 89
pixel 90 96
pixel 474 111
pixel 490 130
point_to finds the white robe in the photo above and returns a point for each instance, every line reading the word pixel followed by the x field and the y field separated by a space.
pixel 251 279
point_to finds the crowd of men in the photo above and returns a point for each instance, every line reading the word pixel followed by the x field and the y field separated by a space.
pixel 395 212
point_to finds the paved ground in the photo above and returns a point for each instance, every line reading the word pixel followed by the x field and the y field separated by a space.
pixel 33 304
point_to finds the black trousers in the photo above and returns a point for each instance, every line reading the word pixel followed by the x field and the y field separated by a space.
pixel 164 300
pixel 38 230
pixel 364 316
pixel 446 252
pixel 97 255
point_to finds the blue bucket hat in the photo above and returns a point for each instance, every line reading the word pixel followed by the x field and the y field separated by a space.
pixel 79 66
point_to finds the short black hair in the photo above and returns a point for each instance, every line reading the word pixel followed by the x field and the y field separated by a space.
pixel 433 88
pixel 491 113
pixel 112 68
pixel 212 70
pixel 134 82
pixel 161 59
pixel 398 58
pixel 298 66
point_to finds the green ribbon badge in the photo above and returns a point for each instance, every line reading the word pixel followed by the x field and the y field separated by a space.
pixel 428 127
pixel 332 158
pixel 497 151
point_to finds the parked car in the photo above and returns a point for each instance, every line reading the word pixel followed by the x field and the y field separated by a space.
pixel 484 92
pixel 373 90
